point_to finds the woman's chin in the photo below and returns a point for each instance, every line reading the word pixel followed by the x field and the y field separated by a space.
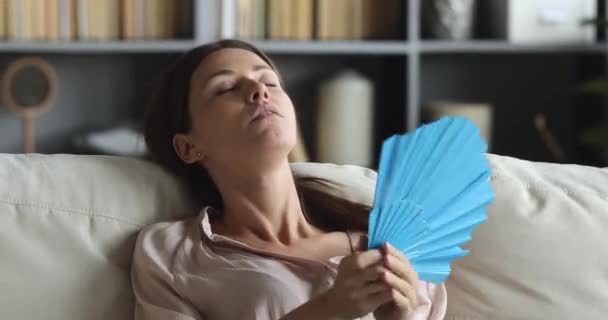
pixel 273 142
pixel 272 135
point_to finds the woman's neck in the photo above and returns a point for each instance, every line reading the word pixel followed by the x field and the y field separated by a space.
pixel 263 208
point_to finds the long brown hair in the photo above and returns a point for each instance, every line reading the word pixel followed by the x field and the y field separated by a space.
pixel 168 114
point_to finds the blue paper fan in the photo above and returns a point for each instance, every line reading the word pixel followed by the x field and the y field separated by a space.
pixel 432 190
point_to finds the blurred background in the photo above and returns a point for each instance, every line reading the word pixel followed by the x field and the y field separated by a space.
pixel 76 74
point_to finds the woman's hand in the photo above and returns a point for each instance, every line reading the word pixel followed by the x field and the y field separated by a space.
pixel 403 281
pixel 359 288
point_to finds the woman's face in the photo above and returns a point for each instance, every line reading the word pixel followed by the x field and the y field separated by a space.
pixel 240 113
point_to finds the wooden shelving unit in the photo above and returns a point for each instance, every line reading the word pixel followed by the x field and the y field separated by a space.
pixel 412 71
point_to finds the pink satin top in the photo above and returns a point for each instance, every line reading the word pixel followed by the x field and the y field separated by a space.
pixel 182 270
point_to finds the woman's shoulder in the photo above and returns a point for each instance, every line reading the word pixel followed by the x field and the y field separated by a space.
pixel 164 232
pixel 156 265
pixel 158 243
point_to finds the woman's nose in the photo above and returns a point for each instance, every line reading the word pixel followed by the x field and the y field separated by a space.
pixel 258 94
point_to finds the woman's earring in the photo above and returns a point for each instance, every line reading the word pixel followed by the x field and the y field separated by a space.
pixel 198 154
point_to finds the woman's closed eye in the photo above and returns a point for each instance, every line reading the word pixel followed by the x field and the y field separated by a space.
pixel 225 89
pixel 269 80
pixel 230 86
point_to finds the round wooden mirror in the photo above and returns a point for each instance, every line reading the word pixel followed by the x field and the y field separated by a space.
pixel 29 88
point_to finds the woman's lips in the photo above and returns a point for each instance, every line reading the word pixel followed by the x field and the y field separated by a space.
pixel 264 111
pixel 263 115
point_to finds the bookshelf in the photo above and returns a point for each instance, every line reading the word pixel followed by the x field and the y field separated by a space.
pixel 494 46
pixel 387 47
pixel 408 70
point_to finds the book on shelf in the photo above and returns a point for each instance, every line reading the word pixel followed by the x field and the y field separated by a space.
pixel 101 19
pixel 251 19
pixel 67 19
pixel 331 16
pixel 245 18
pixel 384 19
pixel 37 18
pixel 228 18
pixel 206 20
pixel 218 19
pixel 110 20
pixel 357 19
pixel 278 19
pixel 225 19
pixel 132 19
pixel 52 20
pixel 184 19
pixel 301 15
pixel 16 20
pixel 159 19
pixel 291 19
pixel 3 19
pixel 82 13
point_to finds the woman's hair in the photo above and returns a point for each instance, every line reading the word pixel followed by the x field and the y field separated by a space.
pixel 168 114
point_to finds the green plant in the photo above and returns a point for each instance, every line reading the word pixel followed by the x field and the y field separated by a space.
pixel 596 137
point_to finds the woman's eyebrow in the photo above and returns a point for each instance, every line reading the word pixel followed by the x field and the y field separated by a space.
pixel 225 72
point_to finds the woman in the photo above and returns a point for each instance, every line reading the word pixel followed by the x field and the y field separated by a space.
pixel 223 122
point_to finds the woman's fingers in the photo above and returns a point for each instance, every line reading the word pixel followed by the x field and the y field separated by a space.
pixel 393 251
pixel 403 302
pixel 359 269
pixel 372 273
pixel 401 268
pixel 373 288
pixel 381 298
pixel 401 276
pixel 402 286
pixel 366 259
pixel 399 264
pixel 360 261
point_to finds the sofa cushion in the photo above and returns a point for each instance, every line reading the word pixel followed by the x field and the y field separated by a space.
pixel 67 228
pixel 542 252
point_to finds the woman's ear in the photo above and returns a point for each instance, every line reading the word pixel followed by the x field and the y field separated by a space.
pixel 186 150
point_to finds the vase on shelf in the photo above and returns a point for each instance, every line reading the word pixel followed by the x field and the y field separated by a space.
pixel 345 119
pixel 480 114
pixel 449 19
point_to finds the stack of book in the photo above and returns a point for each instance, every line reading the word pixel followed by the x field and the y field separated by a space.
pixel 358 19
pixel 300 19
pixel 103 20
pixel 49 20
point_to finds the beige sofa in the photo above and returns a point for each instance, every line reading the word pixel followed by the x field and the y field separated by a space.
pixel 68 224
